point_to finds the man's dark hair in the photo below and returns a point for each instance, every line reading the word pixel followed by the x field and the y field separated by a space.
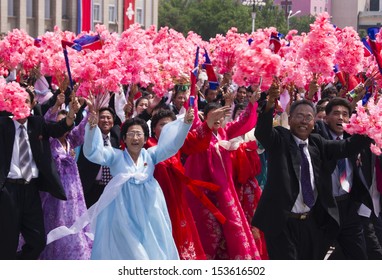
pixel 322 100
pixel 329 91
pixel 301 102
pixel 134 121
pixel 338 101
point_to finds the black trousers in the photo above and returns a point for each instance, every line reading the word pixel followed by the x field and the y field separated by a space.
pixel 21 213
pixel 350 242
pixel 372 229
pixel 300 240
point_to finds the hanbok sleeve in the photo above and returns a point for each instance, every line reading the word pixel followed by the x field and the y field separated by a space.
pixel 198 140
pixel 119 104
pixel 76 136
pixel 171 140
pixel 50 115
pixel 93 147
pixel 245 123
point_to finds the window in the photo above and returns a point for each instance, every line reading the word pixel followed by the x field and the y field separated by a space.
pixel 374 5
pixel 97 12
pixel 65 9
pixel 11 8
pixel 315 9
pixel 139 16
pixel 112 17
pixel 47 9
pixel 29 8
pixel 320 9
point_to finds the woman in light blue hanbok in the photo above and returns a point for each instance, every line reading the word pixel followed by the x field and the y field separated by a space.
pixel 132 221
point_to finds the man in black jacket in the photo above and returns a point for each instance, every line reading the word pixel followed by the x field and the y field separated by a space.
pixel 27 167
pixel 296 201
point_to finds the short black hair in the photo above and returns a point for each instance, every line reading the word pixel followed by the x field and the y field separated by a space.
pixel 131 122
pixel 301 102
pixel 338 101
pixel 322 100
pixel 62 112
pixel 328 91
pixel 162 113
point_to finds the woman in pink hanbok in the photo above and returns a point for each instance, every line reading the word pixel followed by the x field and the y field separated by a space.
pixel 233 239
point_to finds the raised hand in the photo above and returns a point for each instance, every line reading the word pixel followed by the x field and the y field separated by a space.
pixel 273 94
pixel 218 114
pixel 189 116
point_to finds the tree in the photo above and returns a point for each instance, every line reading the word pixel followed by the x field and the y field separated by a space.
pixel 210 17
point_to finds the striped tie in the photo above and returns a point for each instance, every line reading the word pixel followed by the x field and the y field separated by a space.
pixel 24 158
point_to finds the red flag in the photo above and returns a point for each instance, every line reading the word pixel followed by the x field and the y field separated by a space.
pixel 274 42
pixel 128 13
pixel 212 79
pixel 84 19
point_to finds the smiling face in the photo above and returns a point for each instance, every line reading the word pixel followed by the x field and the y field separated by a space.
pixel 180 99
pixel 336 118
pixel 301 121
pixel 134 139
pixel 105 122
pixel 142 105
pixel 241 94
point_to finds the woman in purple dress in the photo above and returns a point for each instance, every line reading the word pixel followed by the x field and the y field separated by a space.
pixel 59 212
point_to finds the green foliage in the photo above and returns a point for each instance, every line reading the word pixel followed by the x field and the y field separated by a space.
pixel 210 17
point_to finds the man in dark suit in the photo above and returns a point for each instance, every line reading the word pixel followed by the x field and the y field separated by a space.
pixel 27 167
pixel 346 184
pixel 91 174
pixel 368 186
pixel 296 203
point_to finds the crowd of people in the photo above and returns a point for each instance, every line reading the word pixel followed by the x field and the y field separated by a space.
pixel 241 165
pixel 155 178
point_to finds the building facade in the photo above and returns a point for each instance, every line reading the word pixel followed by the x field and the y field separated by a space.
pixel 361 14
pixel 38 16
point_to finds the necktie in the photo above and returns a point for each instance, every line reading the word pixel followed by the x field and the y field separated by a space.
pixel 306 184
pixel 341 164
pixel 106 176
pixel 24 158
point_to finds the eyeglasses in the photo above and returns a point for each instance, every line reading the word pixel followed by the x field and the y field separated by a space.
pixel 132 134
pixel 301 117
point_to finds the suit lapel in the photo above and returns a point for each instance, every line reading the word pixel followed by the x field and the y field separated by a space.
pixel 9 140
pixel 295 155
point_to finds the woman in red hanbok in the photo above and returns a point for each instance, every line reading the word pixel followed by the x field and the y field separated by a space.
pixel 246 166
pixel 232 239
pixel 173 181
